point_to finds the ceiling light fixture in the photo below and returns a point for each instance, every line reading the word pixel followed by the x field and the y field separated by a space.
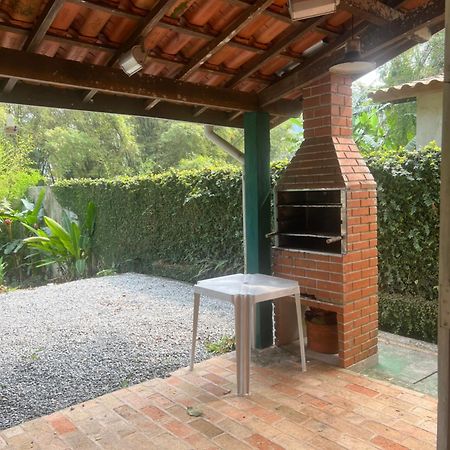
pixel 304 9
pixel 133 60
pixel 353 63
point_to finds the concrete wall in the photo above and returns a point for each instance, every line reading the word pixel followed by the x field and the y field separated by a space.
pixel 429 117
pixel 51 206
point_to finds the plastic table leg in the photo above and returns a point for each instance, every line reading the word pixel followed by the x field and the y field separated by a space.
pixel 194 328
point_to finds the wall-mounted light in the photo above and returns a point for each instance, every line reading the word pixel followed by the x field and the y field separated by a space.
pixel 11 128
pixel 353 63
pixel 133 60
pixel 304 9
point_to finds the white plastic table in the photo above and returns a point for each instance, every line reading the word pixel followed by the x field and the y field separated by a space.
pixel 244 291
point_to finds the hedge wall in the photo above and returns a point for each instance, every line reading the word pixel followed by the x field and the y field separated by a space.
pixel 176 223
pixel 187 224
pixel 408 219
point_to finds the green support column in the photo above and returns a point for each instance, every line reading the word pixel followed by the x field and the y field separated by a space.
pixel 258 213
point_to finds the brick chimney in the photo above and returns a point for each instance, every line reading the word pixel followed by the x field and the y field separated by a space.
pixel 327 224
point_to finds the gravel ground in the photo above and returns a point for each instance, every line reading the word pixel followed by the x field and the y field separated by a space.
pixel 64 344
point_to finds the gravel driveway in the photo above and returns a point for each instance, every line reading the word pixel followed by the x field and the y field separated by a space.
pixel 63 344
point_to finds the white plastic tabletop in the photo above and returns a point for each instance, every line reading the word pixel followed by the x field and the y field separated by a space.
pixel 257 286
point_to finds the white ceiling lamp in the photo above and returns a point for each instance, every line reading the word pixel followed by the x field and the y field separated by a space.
pixel 133 60
pixel 353 63
pixel 11 128
pixel 304 9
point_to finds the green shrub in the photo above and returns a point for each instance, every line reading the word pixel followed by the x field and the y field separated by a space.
pixel 408 219
pixel 409 315
pixel 187 219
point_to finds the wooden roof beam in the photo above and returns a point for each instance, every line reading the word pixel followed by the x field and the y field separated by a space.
pixel 373 11
pixel 225 36
pixel 53 97
pixel 373 41
pixel 144 26
pixel 312 67
pixel 37 33
pixel 64 73
pixel 216 44
pixel 201 34
pixel 284 41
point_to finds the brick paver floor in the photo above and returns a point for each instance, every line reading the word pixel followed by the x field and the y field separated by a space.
pixel 324 408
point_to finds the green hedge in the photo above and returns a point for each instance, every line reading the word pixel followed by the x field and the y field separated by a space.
pixel 187 224
pixel 408 219
pixel 175 223
pixel 408 315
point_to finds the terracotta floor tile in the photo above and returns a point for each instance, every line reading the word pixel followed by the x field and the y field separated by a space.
pixel 206 428
pixel 261 443
pixel 387 444
pixel 326 408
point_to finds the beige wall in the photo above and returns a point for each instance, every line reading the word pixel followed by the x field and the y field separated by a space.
pixel 429 117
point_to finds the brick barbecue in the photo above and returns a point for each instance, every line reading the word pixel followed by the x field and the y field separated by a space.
pixel 327 224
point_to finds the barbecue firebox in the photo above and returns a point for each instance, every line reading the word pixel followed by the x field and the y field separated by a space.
pixel 326 224
pixel 311 220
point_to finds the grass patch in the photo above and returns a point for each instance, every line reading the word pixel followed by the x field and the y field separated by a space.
pixel 225 344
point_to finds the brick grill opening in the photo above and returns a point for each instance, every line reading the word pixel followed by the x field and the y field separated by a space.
pixel 327 224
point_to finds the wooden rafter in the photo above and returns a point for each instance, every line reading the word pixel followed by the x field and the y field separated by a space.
pixel 224 37
pixel 213 46
pixel 37 33
pixel 372 40
pixel 312 67
pixel 144 26
pixel 174 63
pixel 200 33
pixel 282 17
pixel 291 35
pixel 284 41
pixel 71 74
pixel 373 11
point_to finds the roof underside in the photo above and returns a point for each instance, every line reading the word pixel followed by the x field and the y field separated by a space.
pixel 208 61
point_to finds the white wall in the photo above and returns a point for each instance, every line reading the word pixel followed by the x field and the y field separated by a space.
pixel 429 118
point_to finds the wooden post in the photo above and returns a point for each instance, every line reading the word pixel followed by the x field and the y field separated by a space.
pixel 443 436
pixel 258 213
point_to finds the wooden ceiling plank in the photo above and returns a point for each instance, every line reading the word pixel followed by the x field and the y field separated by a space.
pixel 372 41
pixel 65 73
pixel 225 36
pixel 38 32
pixel 373 11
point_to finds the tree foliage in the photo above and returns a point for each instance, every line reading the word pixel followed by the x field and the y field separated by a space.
pixel 394 125
pixel 65 144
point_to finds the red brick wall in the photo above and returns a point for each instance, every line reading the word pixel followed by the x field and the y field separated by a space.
pixel 347 283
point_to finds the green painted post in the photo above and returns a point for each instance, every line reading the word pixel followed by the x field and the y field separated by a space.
pixel 258 213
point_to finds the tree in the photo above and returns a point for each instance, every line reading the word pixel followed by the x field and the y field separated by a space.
pixel 394 125
pixel 17 171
